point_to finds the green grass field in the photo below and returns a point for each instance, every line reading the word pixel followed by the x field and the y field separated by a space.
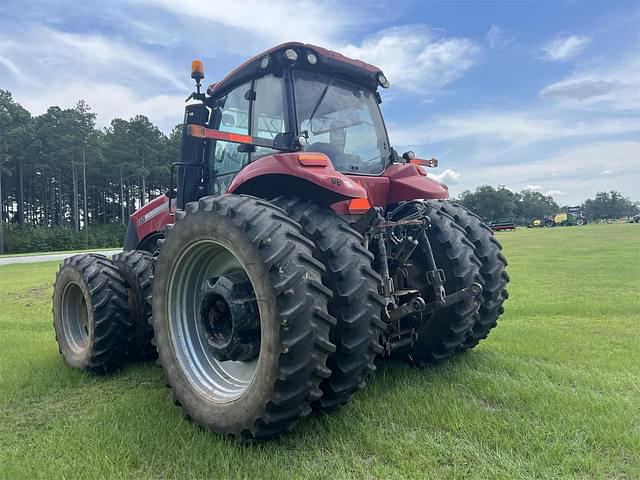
pixel 9 255
pixel 554 392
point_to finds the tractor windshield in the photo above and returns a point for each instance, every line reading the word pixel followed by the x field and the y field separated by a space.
pixel 343 121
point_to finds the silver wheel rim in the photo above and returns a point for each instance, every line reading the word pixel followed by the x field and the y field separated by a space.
pixel 219 381
pixel 75 318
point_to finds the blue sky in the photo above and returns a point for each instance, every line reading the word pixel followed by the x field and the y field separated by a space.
pixel 541 95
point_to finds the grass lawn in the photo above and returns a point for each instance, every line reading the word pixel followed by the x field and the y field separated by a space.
pixel 554 392
pixel 9 255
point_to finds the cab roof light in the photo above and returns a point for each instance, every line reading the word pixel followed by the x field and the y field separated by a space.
pixel 383 81
pixel 291 55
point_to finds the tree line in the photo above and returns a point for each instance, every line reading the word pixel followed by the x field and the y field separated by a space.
pixel 57 170
pixel 502 203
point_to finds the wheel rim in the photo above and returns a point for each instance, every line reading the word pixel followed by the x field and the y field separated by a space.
pixel 75 318
pixel 219 381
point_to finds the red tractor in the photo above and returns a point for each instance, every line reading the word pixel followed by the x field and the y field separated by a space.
pixel 304 247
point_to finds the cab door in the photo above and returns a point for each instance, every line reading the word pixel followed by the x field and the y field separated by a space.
pixel 256 108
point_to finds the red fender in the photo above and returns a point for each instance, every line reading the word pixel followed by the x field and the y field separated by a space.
pixel 153 216
pixel 400 182
pixel 410 182
pixel 306 175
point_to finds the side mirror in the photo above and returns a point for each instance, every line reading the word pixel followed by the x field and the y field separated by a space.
pixel 410 157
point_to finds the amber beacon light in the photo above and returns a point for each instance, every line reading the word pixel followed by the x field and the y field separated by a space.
pixel 197 70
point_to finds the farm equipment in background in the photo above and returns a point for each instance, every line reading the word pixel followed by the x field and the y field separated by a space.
pixel 293 247
pixel 502 225
pixel 573 216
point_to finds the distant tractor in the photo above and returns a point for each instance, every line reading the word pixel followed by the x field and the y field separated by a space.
pixel 573 216
pixel 304 247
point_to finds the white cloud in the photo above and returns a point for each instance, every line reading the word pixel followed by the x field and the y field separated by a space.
pixel 563 48
pixel 508 128
pixel 110 101
pixel 612 85
pixel 416 58
pixel 606 172
pixel 448 176
pixel 13 69
pixel 549 193
pixel 497 38
pixel 115 78
pixel 49 54
pixel 577 167
pixel 555 193
pixel 272 22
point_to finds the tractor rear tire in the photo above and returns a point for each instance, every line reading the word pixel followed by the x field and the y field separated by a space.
pixel 233 236
pixel 136 268
pixel 356 303
pixel 90 314
pixel 446 330
pixel 494 275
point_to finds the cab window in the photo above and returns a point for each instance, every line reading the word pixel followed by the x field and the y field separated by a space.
pixel 268 116
pixel 264 98
pixel 234 118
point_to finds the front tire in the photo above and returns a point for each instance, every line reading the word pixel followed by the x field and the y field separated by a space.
pixel 235 236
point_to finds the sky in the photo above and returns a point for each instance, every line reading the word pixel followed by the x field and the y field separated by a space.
pixel 540 95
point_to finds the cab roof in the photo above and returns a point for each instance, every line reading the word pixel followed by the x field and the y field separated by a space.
pixel 327 61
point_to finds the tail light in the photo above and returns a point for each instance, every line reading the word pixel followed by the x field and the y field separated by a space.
pixel 359 205
pixel 313 159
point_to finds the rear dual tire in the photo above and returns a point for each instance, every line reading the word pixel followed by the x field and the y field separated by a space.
pixel 356 303
pixel 136 269
pixel 493 269
pixel 442 334
pixel 240 233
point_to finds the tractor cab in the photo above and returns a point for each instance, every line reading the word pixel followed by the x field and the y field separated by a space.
pixel 292 98
pixel 297 119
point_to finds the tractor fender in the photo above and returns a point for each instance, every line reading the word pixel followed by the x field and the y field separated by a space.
pixel 400 182
pixel 286 174
pixel 148 220
pixel 409 182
